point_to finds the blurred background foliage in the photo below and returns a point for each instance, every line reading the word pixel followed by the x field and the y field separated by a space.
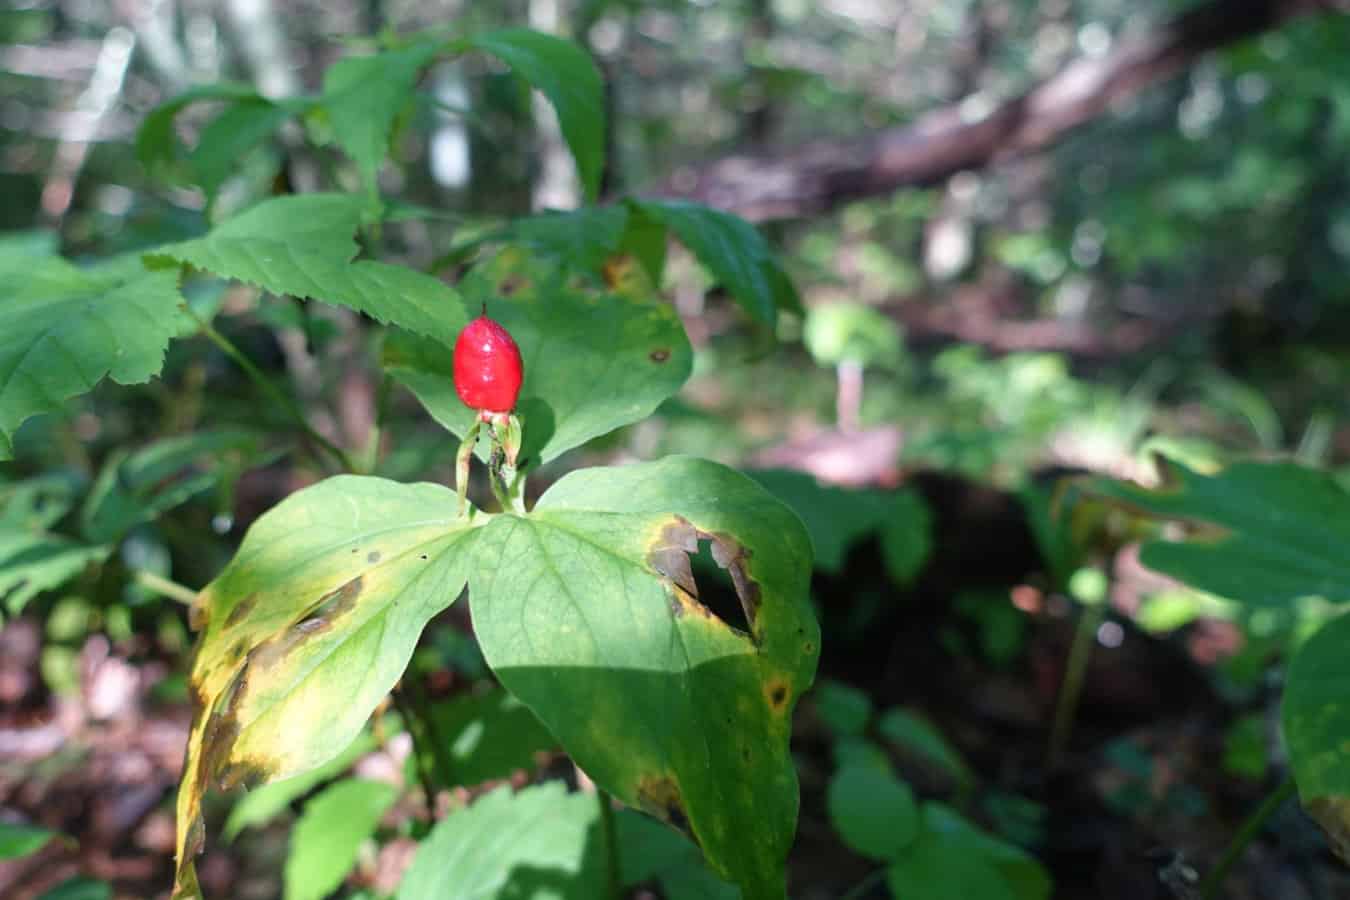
pixel 1170 276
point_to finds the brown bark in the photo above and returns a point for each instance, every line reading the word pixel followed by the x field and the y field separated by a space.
pixel 941 143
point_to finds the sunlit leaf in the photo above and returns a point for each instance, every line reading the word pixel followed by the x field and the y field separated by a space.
pixel 539 842
pixel 593 360
pixel 590 604
pixel 309 627
pixel 329 833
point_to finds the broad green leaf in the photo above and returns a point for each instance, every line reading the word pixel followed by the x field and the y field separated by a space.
pixel 138 487
pixel 733 251
pixel 873 811
pixel 915 734
pixel 583 238
pixel 303 246
pixel 1265 533
pixel 308 627
pixel 541 842
pixel 329 833
pixel 364 94
pixel 906 536
pixel 22 840
pixel 158 147
pixel 79 889
pixel 24 246
pixel 652 851
pixel 593 360
pixel 1316 724
pixel 946 836
pixel 63 329
pixel 589 604
pixel 835 517
pixel 227 139
pixel 261 805
pixel 490 735
pixel 843 708
pixel 33 559
pixel 567 76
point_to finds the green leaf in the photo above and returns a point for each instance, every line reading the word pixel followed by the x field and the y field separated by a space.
pixel 583 238
pixel 843 708
pixel 873 811
pixel 227 139
pixel 32 559
pixel 589 603
pixel 63 329
pixel 309 627
pixel 593 360
pixel 652 851
pixel 303 246
pixel 1264 533
pixel 1316 723
pixel 567 76
pixel 364 94
pixel 836 333
pixel 835 517
pixel 263 804
pixel 906 536
pixel 912 733
pixel 954 860
pixel 133 488
pixel 329 834
pixel 79 889
pixel 22 840
pixel 733 251
pixel 490 735
pixel 158 147
pixel 540 842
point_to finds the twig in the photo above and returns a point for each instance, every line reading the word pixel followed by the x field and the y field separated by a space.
pixel 1072 687
pixel 611 835
pixel 164 587
pixel 268 387
pixel 1209 888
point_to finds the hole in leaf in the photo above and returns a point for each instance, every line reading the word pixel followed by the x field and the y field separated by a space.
pixel 716 589
pixel 706 574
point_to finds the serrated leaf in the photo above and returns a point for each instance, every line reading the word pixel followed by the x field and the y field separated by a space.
pixel 303 246
pixel 540 842
pixel 652 851
pixel 22 840
pixel 594 360
pixel 32 559
pixel 490 735
pixel 1316 718
pixel 308 627
pixel 63 329
pixel 260 806
pixel 583 238
pixel 1266 533
pixel 329 834
pixel 227 139
pixel 873 811
pixel 589 603
pixel 364 94
pixel 733 251
pixel 157 147
pixel 568 77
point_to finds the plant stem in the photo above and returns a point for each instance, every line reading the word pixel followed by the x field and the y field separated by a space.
pixel 271 390
pixel 1072 687
pixel 164 587
pixel 412 722
pixel 1209 888
pixel 371 456
pixel 861 888
pixel 611 836
pixel 445 767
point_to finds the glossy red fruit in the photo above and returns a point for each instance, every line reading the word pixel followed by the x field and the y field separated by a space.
pixel 488 371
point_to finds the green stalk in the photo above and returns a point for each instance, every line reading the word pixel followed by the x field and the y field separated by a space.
pixel 1210 887
pixel 1066 706
pixel 162 586
pixel 266 385
pixel 611 837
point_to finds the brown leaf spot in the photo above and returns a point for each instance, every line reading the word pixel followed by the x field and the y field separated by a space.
pixel 199 615
pixel 512 283
pixel 373 557
pixel 659 796
pixel 241 610
pixel 660 355
pixel 776 692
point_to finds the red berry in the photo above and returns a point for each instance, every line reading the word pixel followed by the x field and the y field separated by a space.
pixel 487 367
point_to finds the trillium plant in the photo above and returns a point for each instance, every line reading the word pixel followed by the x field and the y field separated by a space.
pixel 585 603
